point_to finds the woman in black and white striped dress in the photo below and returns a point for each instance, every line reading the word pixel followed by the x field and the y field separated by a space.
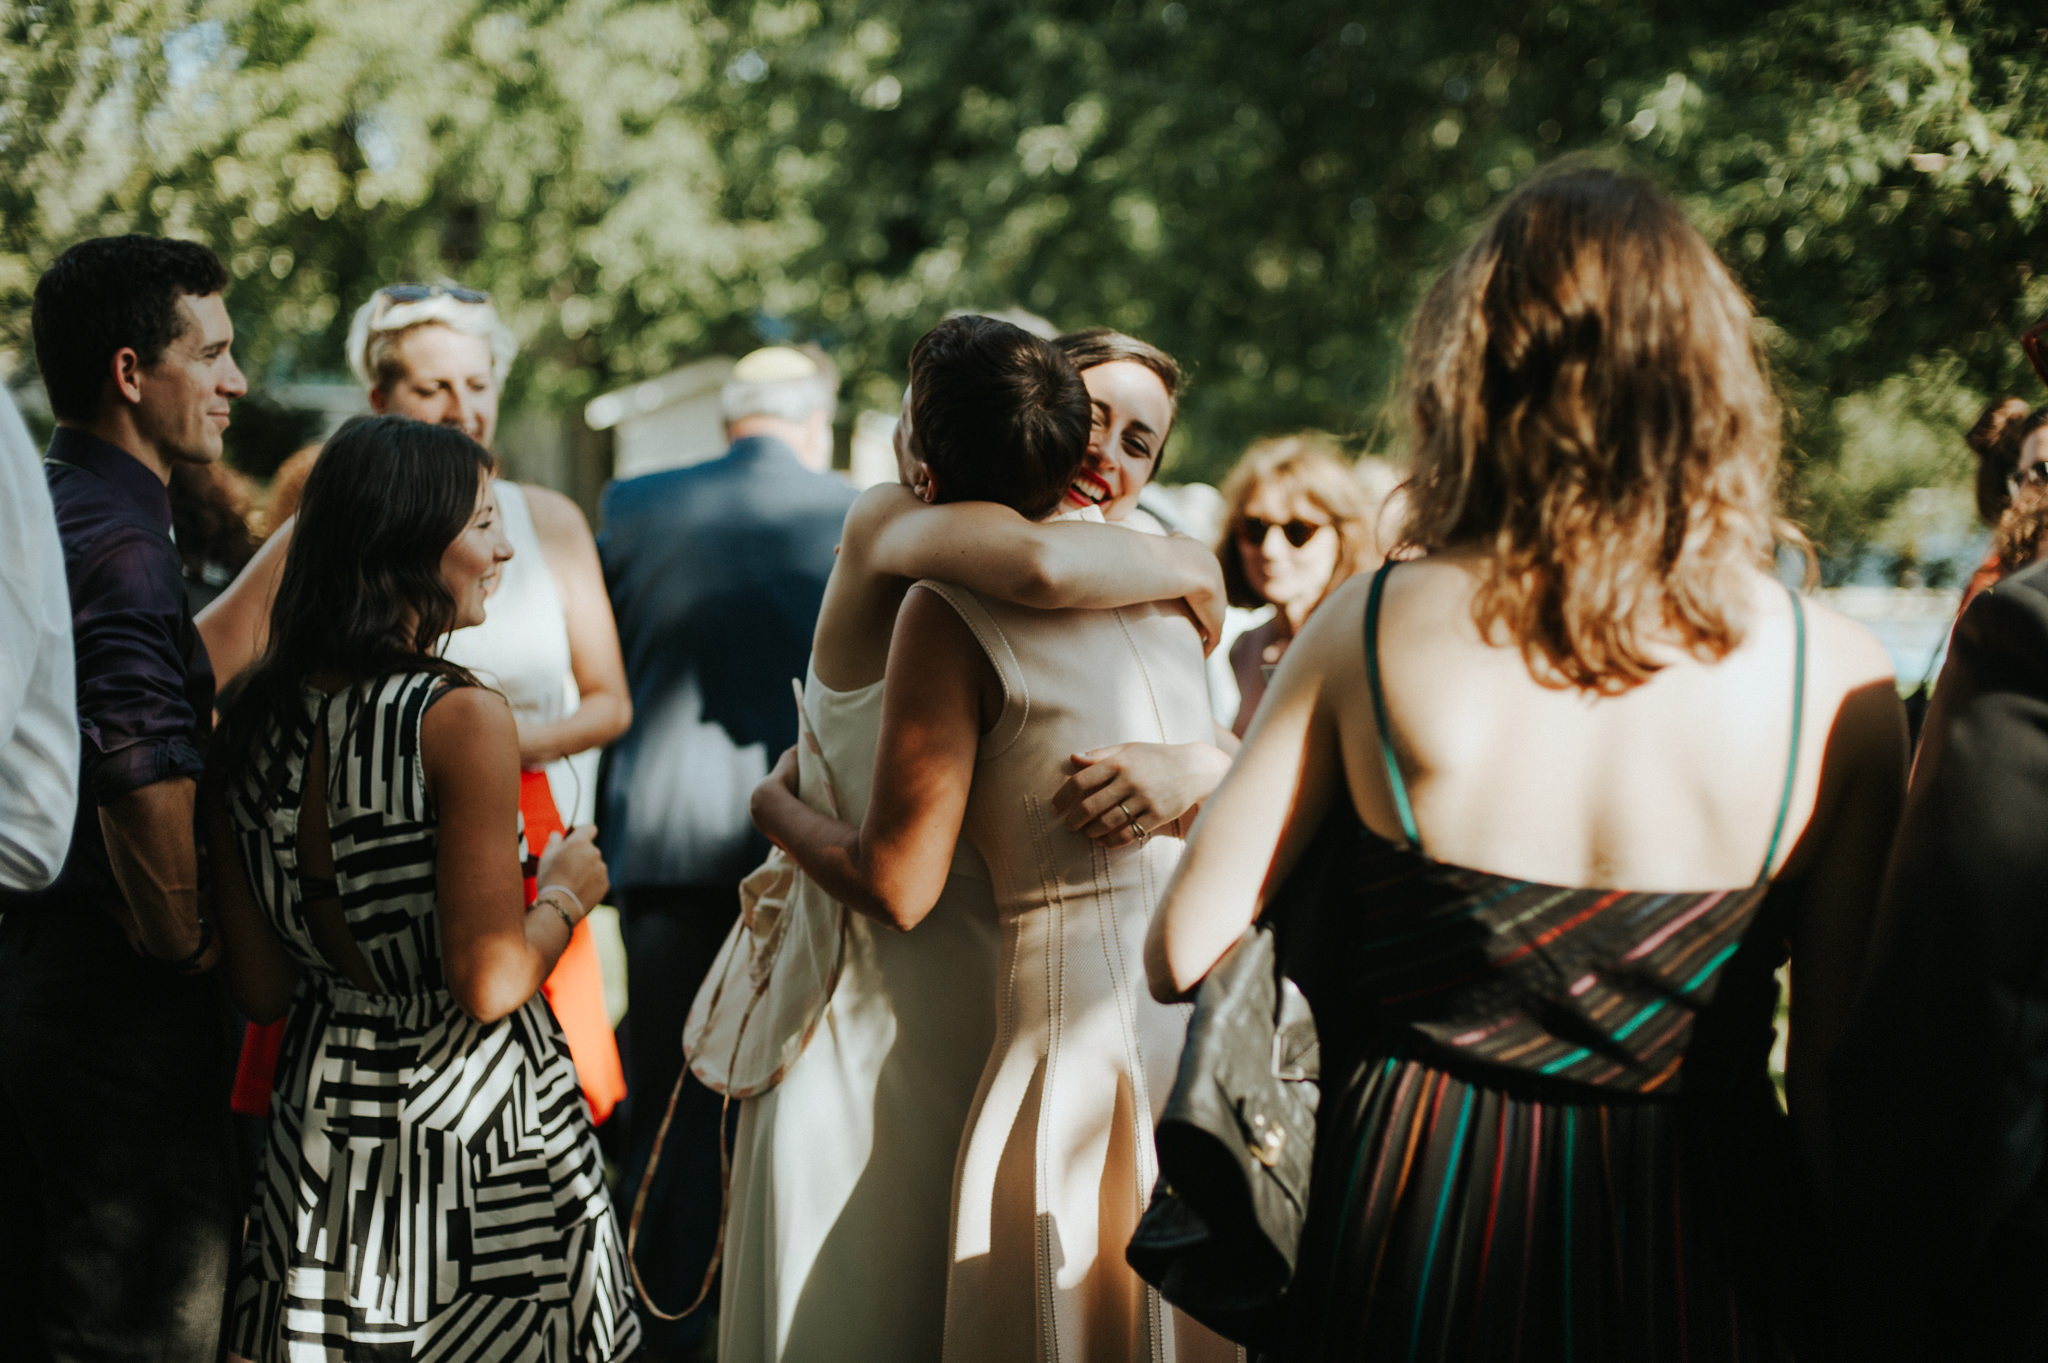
pixel 431 1184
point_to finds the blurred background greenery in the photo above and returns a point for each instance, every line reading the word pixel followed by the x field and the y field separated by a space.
pixel 1261 188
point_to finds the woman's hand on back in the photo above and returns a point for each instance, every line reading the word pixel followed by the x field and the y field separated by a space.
pixel 1154 786
pixel 576 865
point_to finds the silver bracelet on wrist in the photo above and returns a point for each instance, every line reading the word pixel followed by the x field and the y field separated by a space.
pixel 546 892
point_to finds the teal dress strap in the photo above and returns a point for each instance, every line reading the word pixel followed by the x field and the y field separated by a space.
pixel 1395 784
pixel 1798 710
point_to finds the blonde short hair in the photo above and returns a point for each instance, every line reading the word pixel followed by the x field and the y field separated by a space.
pixel 381 325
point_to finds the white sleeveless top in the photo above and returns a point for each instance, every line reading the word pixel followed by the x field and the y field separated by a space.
pixel 855 1148
pixel 522 650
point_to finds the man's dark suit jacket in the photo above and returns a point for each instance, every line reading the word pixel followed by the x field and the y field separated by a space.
pixel 1938 1095
pixel 716 572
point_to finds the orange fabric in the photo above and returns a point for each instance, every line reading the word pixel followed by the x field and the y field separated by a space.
pixel 575 988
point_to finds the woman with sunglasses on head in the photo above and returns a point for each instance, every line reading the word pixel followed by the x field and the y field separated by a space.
pixel 1297 521
pixel 431 1185
pixel 439 353
pixel 1583 774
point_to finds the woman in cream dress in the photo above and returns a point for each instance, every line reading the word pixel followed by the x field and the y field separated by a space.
pixel 987 706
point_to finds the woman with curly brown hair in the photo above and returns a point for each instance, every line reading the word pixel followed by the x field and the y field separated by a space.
pixel 1644 772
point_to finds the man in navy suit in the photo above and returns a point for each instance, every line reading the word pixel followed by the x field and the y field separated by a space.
pixel 716 572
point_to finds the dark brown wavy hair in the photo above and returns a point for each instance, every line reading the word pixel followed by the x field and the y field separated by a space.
pixel 1590 408
pixel 2022 531
pixel 361 595
pixel 2001 430
pixel 210 510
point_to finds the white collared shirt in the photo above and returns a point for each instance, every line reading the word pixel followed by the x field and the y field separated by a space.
pixel 38 696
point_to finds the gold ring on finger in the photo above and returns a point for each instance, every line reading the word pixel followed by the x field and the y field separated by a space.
pixel 1128 816
pixel 1139 829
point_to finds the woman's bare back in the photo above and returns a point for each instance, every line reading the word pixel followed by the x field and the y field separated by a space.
pixel 1674 785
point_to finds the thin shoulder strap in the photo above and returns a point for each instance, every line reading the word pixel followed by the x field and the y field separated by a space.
pixel 1798 710
pixel 1395 784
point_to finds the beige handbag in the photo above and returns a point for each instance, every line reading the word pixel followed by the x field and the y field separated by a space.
pixel 762 1000
pixel 768 988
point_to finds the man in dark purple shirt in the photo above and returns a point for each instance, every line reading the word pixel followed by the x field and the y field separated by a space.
pixel 118 1198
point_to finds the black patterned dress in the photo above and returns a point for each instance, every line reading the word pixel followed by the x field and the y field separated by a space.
pixel 431 1188
pixel 1547 1131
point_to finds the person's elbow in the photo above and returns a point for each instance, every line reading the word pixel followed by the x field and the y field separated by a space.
pixel 1167 984
pixel 262 993
pixel 488 992
pixel 1042 581
pixel 619 718
pixel 897 902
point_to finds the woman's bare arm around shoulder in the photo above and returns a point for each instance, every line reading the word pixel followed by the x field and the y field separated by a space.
pixel 496 949
pixel 236 624
pixel 991 549
pixel 1253 829
pixel 893 866
pixel 605 708
pixel 261 972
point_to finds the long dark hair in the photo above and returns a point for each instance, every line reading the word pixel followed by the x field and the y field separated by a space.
pixel 361 595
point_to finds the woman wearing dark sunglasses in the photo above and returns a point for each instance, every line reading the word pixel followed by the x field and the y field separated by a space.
pixel 1297 521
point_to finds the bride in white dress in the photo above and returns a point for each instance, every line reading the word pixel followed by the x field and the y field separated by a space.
pixel 837 1241
pixel 986 705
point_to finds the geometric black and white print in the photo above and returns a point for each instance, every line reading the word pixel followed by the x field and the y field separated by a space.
pixel 431 1188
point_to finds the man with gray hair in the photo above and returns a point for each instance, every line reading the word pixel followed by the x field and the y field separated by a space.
pixel 716 572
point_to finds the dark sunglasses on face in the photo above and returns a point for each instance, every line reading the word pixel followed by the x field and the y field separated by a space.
pixel 2033 475
pixel 1252 530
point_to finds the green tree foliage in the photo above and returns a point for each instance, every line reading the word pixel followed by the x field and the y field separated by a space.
pixel 1263 189
pixel 547 152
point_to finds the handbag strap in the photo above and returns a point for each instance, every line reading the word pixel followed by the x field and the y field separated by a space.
pixel 640 1206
